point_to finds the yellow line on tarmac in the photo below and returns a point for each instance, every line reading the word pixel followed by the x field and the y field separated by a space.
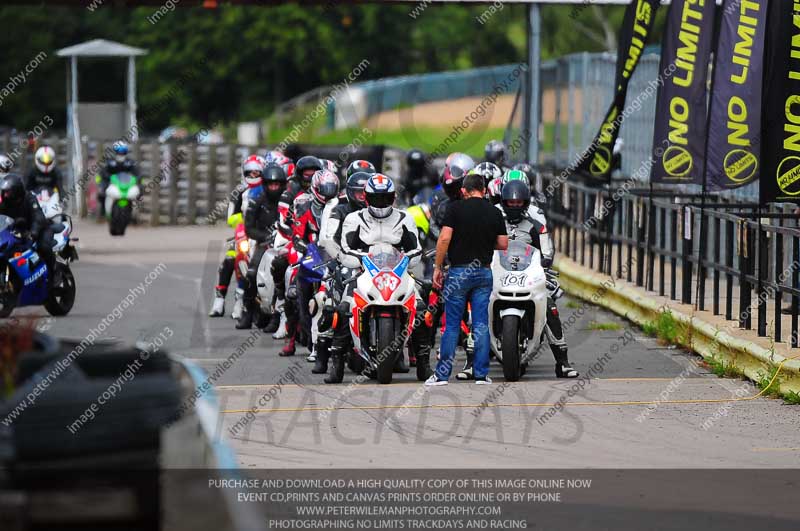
pixel 776 449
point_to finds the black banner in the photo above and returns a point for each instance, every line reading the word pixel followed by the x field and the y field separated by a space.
pixel 639 18
pixel 781 111
pixel 681 110
pixel 734 146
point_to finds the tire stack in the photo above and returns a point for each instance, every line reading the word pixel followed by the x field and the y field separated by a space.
pixel 102 472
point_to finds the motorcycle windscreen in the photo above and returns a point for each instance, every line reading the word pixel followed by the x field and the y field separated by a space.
pixel 517 257
pixel 6 223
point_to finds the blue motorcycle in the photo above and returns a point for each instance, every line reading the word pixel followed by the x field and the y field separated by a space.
pixel 310 272
pixel 24 275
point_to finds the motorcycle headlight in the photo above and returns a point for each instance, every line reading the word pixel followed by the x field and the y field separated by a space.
pixel 244 246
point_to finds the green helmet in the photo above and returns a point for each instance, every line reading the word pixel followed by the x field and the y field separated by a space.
pixel 515 175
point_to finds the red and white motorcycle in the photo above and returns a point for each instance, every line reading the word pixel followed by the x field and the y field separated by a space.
pixel 383 309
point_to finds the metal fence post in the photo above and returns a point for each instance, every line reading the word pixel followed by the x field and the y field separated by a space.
pixel 687 229
pixel 155 180
pixel 191 205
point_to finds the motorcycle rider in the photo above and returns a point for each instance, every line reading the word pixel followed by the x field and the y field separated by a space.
pixel 119 163
pixel 515 204
pixel 17 203
pixel 44 173
pixel 360 165
pixel 307 214
pixel 421 178
pixel 380 222
pixel 259 221
pixel 6 165
pixel 496 152
pixel 252 175
pixel 298 184
pixel 330 239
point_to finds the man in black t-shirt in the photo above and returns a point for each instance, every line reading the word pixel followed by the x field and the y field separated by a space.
pixel 473 228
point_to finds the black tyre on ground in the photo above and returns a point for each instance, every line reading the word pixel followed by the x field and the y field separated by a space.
pixel 387 353
pixel 62 296
pixel 510 348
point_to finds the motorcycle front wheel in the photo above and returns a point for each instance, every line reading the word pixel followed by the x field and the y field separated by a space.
pixel 62 297
pixel 386 352
pixel 511 348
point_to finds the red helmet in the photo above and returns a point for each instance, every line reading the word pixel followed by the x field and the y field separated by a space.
pixel 253 170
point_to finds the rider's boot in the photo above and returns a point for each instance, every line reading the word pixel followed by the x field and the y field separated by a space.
pixel 337 367
pixel 273 324
pixel 466 372
pixel 323 353
pixel 218 306
pixel 288 347
pixel 238 304
pixel 281 332
pixel 245 321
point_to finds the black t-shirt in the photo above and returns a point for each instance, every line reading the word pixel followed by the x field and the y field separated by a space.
pixel 476 224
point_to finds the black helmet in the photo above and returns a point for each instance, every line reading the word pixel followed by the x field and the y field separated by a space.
pixel 309 162
pixel 355 189
pixel 360 166
pixel 12 189
pixel 528 170
pixel 515 191
pixel 415 158
pixel 495 152
pixel 274 175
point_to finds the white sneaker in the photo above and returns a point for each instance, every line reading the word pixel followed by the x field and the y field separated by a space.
pixel 434 381
pixel 311 358
pixel 483 381
pixel 218 308
pixel 280 333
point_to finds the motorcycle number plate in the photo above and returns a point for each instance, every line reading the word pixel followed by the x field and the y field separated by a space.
pixel 386 283
pixel 514 279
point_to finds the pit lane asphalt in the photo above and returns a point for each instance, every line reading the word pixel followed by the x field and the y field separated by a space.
pixel 306 423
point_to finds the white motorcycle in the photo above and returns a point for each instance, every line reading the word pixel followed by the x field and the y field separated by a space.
pixel 383 309
pixel 517 306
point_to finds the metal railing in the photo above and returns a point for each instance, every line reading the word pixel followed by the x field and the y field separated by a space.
pixel 731 258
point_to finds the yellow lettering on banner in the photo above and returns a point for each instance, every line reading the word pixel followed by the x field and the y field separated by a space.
pixel 642 20
pixel 688 36
pixel 795 54
pixel 738 129
pixel 679 114
pixel 743 49
pixel 792 143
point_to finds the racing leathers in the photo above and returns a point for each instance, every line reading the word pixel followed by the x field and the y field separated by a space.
pixel 30 218
pixel 283 240
pixel 306 216
pixel 360 231
pixel 260 217
pixel 226 267
pixel 36 180
pixel 532 230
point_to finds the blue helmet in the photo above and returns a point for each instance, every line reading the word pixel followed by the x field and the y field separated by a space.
pixel 121 149
pixel 379 194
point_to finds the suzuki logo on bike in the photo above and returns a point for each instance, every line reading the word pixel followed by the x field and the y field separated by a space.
pixel 36 276
pixel 386 282
pixel 514 280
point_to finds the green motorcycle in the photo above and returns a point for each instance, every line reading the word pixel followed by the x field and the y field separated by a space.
pixel 122 191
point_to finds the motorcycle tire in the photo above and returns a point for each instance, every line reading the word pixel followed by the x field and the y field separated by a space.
pixel 119 221
pixel 6 306
pixel 386 336
pixel 60 301
pixel 510 348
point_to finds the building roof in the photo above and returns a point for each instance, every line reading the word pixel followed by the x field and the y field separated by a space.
pixel 100 48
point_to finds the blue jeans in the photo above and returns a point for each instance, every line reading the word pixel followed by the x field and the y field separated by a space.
pixel 466 284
